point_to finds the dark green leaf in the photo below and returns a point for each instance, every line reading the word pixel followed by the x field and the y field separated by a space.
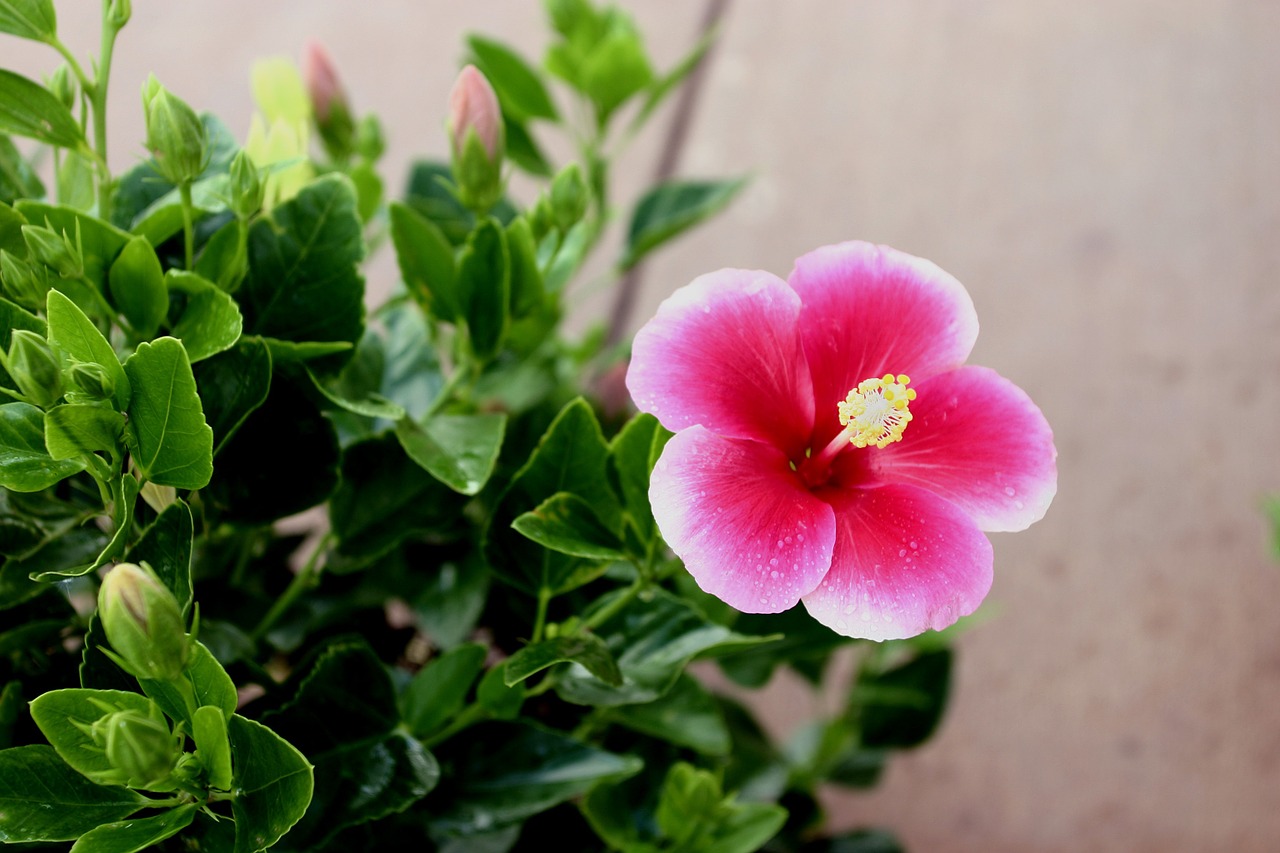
pixel 345 696
pixel 862 841
pixel 171 443
pixel 411 374
pixel 567 524
pixel 29 19
pixel 17 178
pixel 224 260
pixel 43 799
pixel 304 284
pixel 11 222
pixel 163 218
pixel 29 109
pixel 438 692
pixel 671 208
pixel 16 587
pixel 458 450
pixel 523 150
pixel 901 708
pixel 12 707
pixel 64 715
pixel 506 772
pixel 14 317
pixel 232 385
pixel 138 287
pixel 133 836
pixel 210 322
pixel 501 700
pixel 526 279
pixel 687 716
pixel 632 454
pixel 166 547
pixel 139 189
pixel 96 669
pixel 451 601
pixel 25 464
pixel 426 262
pixel 519 88
pixel 76 335
pixel 273 784
pixel 70 554
pixel 804 640
pixel 484 288
pixel 210 686
pixel 585 649
pixel 429 194
pixel 74 429
pixel 370 406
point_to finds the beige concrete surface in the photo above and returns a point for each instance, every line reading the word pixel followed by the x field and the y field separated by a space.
pixel 1105 178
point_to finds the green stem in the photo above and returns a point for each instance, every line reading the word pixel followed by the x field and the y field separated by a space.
pixel 86 85
pixel 540 620
pixel 188 229
pixel 306 578
pixel 462 374
pixel 469 716
pixel 604 614
pixel 109 32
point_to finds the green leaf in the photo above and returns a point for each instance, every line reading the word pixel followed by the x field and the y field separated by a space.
pixel 133 836
pixel 902 707
pixel 426 262
pixel 484 288
pixel 585 649
pixel 458 450
pixel 438 692
pixel 693 814
pixel 520 89
pixel 43 799
pixel 863 841
pixel 633 453
pixel 75 181
pixel 138 287
pixel 29 19
pixel 12 707
pixel 616 69
pixel 523 151
pixel 232 385
pixel 501 700
pixel 141 193
pixel 16 588
pixel 304 284
pixel 450 602
pixel 224 260
pixel 210 322
pixel 208 682
pixel 670 81
pixel 209 731
pixel 569 256
pixel 506 772
pixel 686 716
pixel 29 109
pixel 273 784
pixel 567 524
pixel 672 208
pixel 166 547
pixel 17 178
pixel 25 464
pixel 126 502
pixel 171 443
pixel 11 222
pixel 526 279
pixel 76 335
pixel 14 317
pixel 371 406
pixel 73 430
pixel 64 717
pixel 70 554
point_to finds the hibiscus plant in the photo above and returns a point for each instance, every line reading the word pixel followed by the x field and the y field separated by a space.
pixel 284 569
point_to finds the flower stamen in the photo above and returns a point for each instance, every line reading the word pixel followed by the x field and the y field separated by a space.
pixel 877 411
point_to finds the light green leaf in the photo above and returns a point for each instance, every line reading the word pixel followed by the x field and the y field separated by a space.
pixel 29 19
pixel 74 429
pixel 569 256
pixel 586 649
pixel 458 450
pixel 224 260
pixel 172 445
pixel 370 406
pixel 76 335
pixel 519 88
pixel 672 208
pixel 210 322
pixel 616 69
pixel 208 682
pixel 137 287
pixel 273 783
pixel 133 836
pixel 64 717
pixel 437 693
pixel 209 731
pixel 29 109
pixel 25 463
pixel 43 799
pixel 566 523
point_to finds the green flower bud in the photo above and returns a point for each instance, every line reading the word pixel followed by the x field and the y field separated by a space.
pixel 175 135
pixel 92 380
pixel 143 622
pixel 541 217
pixel 569 196
pixel 477 138
pixel 59 253
pixel 247 187
pixel 23 283
pixel 121 11
pixel 34 368
pixel 369 140
pixel 141 749
pixel 63 85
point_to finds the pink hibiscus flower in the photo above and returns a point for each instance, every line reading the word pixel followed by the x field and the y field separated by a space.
pixel 829 445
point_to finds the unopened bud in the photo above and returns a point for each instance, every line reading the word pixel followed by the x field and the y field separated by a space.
pixel 34 368
pixel 58 252
pixel 92 381
pixel 23 283
pixel 140 748
pixel 175 135
pixel 569 196
pixel 329 104
pixel 541 217
pixel 477 139
pixel 143 622
pixel 369 140
pixel 63 85
pixel 246 186
pixel 121 11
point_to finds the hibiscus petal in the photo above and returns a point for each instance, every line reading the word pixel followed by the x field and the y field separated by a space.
pixel 905 561
pixel 977 440
pixel 871 310
pixel 723 352
pixel 747 529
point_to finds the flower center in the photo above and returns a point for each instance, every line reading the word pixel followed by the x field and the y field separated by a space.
pixel 877 411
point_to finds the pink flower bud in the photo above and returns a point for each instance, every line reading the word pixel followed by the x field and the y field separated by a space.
pixel 474 106
pixel 322 81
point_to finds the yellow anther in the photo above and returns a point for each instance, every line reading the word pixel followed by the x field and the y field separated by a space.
pixel 877 411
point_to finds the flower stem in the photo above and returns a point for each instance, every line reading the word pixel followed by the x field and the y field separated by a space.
pixel 540 620
pixel 99 99
pixel 604 614
pixel 307 577
pixel 188 229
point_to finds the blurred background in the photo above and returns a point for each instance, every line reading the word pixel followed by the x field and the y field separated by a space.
pixel 1105 179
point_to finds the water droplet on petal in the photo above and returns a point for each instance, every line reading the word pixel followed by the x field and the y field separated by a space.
pixel 1008 490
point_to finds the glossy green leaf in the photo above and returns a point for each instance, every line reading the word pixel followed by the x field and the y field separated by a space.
pixel 804 641
pixel 506 772
pixel 209 685
pixel 43 799
pixel 458 450
pixel 14 317
pixel 29 19
pixel 371 406
pixel 64 715
pixel 519 88
pixel 70 554
pixel 17 178
pixel 273 784
pixel 232 385
pixel 126 503
pixel 29 109
pixel 902 707
pixel 166 547
pixel 134 836
pixel 76 335
pixel 693 814
pixel 484 288
pixel 209 731
pixel 210 322
pixel 585 649
pixel 669 209
pixel 171 443
pixel 426 262
pixel 449 604
pixel 140 190
pixel 138 287
pixel 567 524
pixel 686 716
pixel 438 692
pixel 304 284
pixel 25 463
pixel 74 429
